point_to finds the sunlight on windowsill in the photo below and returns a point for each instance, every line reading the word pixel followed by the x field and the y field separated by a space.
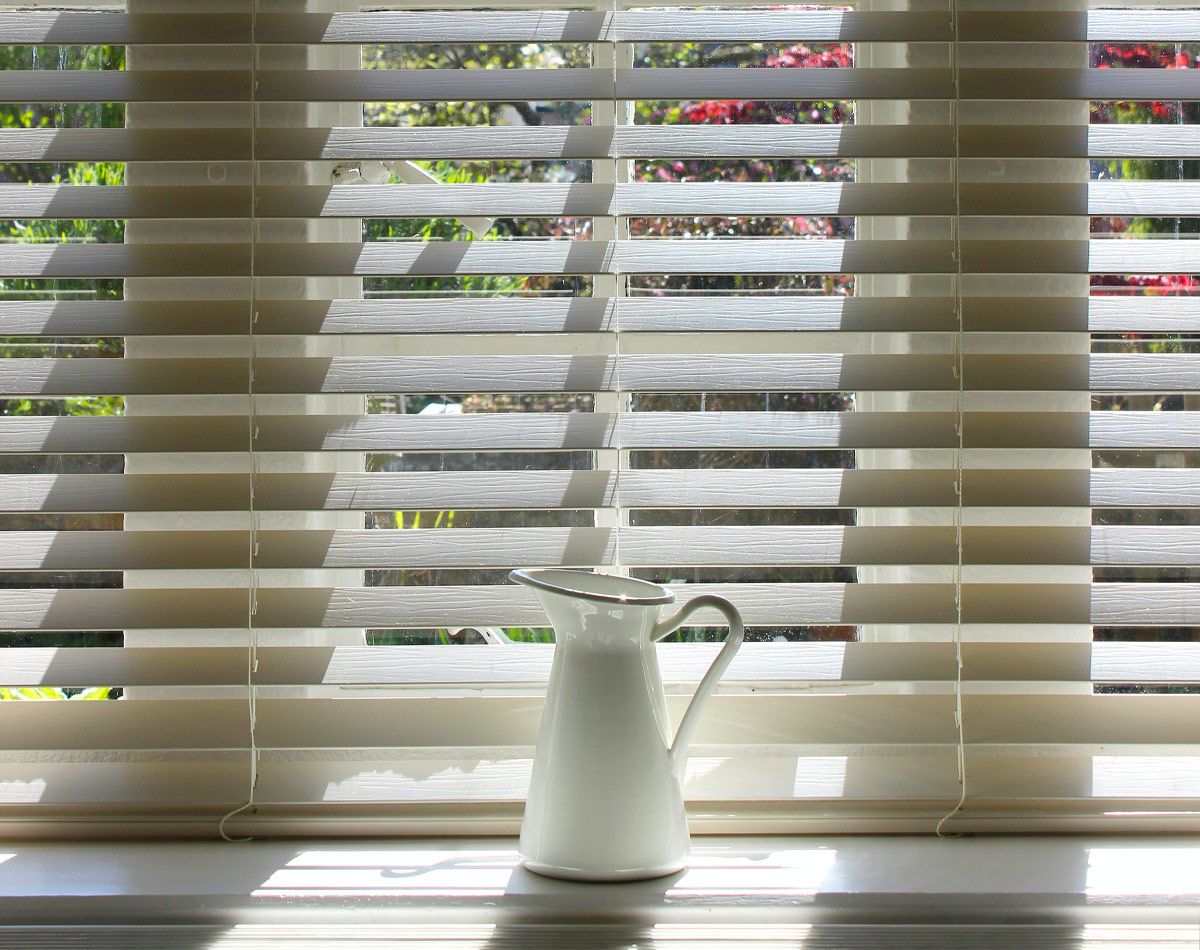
pixel 494 872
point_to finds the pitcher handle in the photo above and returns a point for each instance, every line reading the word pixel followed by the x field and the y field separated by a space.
pixel 733 640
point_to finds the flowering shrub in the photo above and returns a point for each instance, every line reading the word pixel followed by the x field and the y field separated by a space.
pixel 749 112
pixel 1143 56
pixel 1157 285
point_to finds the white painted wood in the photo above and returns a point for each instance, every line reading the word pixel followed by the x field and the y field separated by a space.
pixel 640 488
pixel 542 431
pixel 91 318
pixel 582 26
pixel 474 315
pixel 601 373
pixel 1105 604
pixel 548 431
pixel 998 198
pixel 1086 84
pixel 1099 314
pixel 1097 372
pixel 1101 488
pixel 593 315
pixel 584 489
pixel 731 256
pixel 1099 256
pixel 1093 141
pixel 486 667
pixel 1160 25
pixel 124 260
pixel 123 376
pixel 703 141
pixel 804 785
pixel 546 373
pixel 119 201
pixel 1140 257
pixel 51 435
pixel 29 27
pixel 276 85
pixel 1146 604
pixel 424 607
pixel 1142 198
pixel 1144 431
pixel 542 200
pixel 1142 487
pixel 775 666
pixel 587 546
pixel 773 256
pixel 112 85
pixel 594 373
pixel 494 547
pixel 1146 314
pixel 123 493
pixel 549 200
pixel 1145 545
pixel 121 145
pixel 837 723
pixel 127 666
pixel 123 550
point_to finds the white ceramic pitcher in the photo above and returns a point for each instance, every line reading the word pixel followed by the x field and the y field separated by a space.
pixel 605 802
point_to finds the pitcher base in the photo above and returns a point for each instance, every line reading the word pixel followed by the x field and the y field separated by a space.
pixel 584 874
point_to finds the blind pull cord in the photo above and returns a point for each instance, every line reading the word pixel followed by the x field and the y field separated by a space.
pixel 956 231
pixel 618 292
pixel 252 438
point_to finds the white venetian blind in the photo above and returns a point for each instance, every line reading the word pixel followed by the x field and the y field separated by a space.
pixel 318 318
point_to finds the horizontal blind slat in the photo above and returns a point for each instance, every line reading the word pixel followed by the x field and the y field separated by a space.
pixel 599 314
pixel 1085 84
pixel 415 258
pixel 1097 372
pixel 124 145
pixel 428 606
pixel 1109 197
pixel 1059 722
pixel 580 26
pixel 467 315
pixel 120 85
pixel 584 546
pixel 91 318
pixel 776 666
pixel 552 431
pixel 424 201
pixel 1105 604
pixel 1050 25
pixel 766 256
pixel 1073 141
pixel 583 142
pixel 119 201
pixel 640 488
pixel 30 27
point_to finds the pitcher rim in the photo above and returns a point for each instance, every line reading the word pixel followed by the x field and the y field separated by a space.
pixel 532 578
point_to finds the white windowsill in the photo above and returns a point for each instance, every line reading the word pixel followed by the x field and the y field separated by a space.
pixel 788 891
